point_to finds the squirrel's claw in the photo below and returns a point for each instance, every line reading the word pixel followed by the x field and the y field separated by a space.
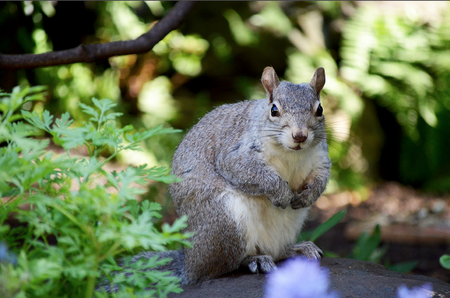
pixel 303 199
pixel 263 263
pixel 307 249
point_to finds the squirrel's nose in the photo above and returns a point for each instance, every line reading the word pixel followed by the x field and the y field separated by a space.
pixel 299 137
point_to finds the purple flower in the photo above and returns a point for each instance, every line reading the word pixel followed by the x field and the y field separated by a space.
pixel 424 291
pixel 299 278
pixel 5 256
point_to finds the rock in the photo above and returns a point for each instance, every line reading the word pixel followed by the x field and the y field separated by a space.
pixel 349 278
pixel 352 278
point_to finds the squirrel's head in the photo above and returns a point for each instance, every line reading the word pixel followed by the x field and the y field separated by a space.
pixel 294 111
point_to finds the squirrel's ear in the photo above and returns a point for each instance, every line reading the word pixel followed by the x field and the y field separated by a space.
pixel 270 80
pixel 318 80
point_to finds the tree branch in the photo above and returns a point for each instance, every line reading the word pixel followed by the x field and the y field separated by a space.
pixel 96 52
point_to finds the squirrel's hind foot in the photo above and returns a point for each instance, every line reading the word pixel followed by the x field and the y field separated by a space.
pixel 262 263
pixel 307 249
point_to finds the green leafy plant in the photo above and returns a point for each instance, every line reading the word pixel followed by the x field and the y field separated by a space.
pixel 322 228
pixel 73 217
pixel 368 248
pixel 403 66
pixel 331 222
pixel 445 261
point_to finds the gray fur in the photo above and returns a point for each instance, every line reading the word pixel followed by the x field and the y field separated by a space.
pixel 238 150
pixel 225 149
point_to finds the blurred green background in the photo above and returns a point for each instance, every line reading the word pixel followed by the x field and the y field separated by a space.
pixel 386 99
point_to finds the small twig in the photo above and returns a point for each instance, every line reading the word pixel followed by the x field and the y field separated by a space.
pixel 96 52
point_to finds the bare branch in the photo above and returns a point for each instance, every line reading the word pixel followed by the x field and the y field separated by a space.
pixel 96 52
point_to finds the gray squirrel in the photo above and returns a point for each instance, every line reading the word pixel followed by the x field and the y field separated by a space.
pixel 251 171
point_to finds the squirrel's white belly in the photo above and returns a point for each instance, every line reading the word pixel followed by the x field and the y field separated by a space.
pixel 268 230
pixel 293 166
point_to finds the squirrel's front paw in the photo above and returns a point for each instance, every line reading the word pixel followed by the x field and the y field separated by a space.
pixel 283 197
pixel 305 198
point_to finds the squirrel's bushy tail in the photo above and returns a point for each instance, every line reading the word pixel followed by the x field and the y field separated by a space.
pixel 176 265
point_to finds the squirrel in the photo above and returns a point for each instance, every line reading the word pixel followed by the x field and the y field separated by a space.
pixel 250 173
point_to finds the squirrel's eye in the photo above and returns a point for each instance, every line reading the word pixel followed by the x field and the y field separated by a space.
pixel 274 111
pixel 319 110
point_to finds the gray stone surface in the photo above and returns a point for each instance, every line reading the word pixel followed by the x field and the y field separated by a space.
pixel 349 278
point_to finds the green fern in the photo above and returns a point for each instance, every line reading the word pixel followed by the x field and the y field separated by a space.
pixel 74 224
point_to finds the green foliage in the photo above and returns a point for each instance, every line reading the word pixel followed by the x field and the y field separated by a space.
pixel 445 261
pixel 367 248
pixel 331 222
pixel 403 267
pixel 401 62
pixel 324 227
pixel 75 217
pixel 374 58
